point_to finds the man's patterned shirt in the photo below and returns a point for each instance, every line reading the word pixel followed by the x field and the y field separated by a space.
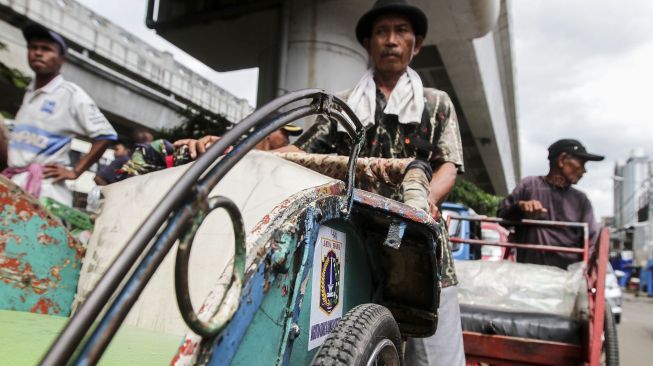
pixel 435 139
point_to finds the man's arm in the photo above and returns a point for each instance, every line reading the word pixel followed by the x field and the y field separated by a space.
pixel 442 182
pixel 288 148
pixel 100 181
pixel 594 229
pixel 59 172
pixel 199 146
pixel 4 144
pixel 447 158
pixel 518 205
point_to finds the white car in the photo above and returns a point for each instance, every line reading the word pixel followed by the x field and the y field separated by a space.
pixel 613 293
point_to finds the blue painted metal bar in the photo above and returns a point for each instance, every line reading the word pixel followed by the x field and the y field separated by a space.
pixel 314 219
pixel 230 337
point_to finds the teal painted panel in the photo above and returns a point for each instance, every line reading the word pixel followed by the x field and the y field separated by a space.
pixel 39 260
pixel 357 290
pixel 265 334
pixel 260 345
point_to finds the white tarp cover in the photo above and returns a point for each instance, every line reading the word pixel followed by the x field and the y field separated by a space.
pixel 258 183
pixel 522 287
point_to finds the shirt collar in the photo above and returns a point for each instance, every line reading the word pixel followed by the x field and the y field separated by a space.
pixel 49 87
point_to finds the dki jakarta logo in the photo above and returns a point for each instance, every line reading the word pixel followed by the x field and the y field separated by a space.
pixel 330 282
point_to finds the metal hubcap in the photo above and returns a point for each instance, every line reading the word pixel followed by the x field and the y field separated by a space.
pixel 385 353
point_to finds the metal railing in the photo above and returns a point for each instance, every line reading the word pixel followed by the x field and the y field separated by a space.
pixel 584 251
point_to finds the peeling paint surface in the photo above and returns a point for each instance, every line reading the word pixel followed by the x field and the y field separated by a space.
pixel 279 258
pixel 39 260
pixel 393 207
pixel 261 245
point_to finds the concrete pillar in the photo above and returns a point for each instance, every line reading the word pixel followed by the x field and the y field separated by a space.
pixel 319 49
pixel 268 75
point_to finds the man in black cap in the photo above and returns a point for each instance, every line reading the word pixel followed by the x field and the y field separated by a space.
pixel 279 138
pixel 52 113
pixel 405 120
pixel 552 197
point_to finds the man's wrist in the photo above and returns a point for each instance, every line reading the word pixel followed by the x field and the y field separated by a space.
pixel 433 200
pixel 73 174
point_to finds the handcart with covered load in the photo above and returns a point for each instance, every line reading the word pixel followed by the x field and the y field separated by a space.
pixel 531 314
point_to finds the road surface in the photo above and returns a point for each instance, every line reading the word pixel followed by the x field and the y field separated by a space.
pixel 635 331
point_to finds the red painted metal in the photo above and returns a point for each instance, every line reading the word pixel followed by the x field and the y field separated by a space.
pixel 596 287
pixel 579 225
pixel 521 222
pixel 503 350
pixel 542 248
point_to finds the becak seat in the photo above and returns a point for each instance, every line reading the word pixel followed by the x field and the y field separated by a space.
pixel 522 300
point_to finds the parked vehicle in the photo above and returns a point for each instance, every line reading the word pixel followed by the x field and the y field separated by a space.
pixel 493 232
pixel 613 294
pixel 461 229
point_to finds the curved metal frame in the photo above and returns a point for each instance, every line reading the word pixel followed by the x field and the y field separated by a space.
pixel 176 211
pixel 232 296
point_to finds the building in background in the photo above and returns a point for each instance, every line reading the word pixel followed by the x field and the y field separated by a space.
pixel 134 84
pixel 632 183
pixel 632 239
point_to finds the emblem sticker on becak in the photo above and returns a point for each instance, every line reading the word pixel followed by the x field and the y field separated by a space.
pixel 330 282
pixel 327 284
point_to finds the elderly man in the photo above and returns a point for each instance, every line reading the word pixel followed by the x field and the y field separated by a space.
pixel 279 138
pixel 405 120
pixel 53 111
pixel 552 197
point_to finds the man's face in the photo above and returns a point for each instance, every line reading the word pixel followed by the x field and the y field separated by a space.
pixel 392 43
pixel 572 167
pixel 44 56
pixel 278 138
pixel 120 150
pixel 142 136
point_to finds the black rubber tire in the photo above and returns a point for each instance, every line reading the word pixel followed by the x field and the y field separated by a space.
pixel 610 342
pixel 356 336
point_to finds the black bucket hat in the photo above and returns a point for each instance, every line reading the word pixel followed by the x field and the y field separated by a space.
pixel 37 31
pixel 416 16
pixel 571 147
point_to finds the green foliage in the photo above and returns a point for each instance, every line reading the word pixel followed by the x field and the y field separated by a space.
pixel 14 76
pixel 196 125
pixel 470 195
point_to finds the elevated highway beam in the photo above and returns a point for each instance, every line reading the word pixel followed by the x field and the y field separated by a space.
pixel 300 44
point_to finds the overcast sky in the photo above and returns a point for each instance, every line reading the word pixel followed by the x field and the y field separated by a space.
pixel 583 70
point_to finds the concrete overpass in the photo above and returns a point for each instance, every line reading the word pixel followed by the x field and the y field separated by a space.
pixel 298 44
pixel 133 83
